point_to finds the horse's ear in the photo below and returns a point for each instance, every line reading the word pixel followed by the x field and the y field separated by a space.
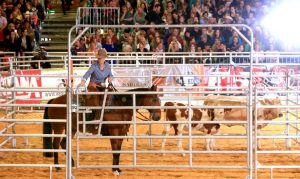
pixel 153 88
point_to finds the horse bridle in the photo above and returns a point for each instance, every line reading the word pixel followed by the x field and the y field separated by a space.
pixel 144 117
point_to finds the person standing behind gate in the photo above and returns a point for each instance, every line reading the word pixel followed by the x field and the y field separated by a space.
pixel 98 72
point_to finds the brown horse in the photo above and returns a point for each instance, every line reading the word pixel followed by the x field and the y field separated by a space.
pixel 61 113
pixel 145 99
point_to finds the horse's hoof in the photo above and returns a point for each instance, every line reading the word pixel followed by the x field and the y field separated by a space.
pixel 117 173
pixel 58 169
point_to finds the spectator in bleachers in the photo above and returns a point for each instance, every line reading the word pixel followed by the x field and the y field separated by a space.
pixel 11 42
pixel 3 24
pixel 28 7
pixel 92 48
pixel 111 15
pixel 94 16
pixel 197 8
pixel 240 8
pixel 139 16
pixel 24 43
pixel 182 7
pixel 218 46
pixel 109 45
pixel 157 44
pixel 141 48
pixel 175 17
pixel 247 11
pixel 30 32
pixel 231 38
pixel 10 27
pixel 16 14
pixel 169 7
pixel 257 48
pixel 77 48
pixel 143 5
pixel 129 42
pixel 234 45
pixel 175 36
pixel 204 43
pixel 18 26
pixel 191 20
pixel 152 32
pixel 192 48
pixel 88 38
pixel 174 47
pixel 35 26
pixel 142 40
pixel 155 14
pixel 97 38
pixel 85 16
pixel 21 5
pixel 112 35
pixel 6 9
pixel 40 9
pixel 127 50
pixel 127 14
pixel 123 35
pixel 83 44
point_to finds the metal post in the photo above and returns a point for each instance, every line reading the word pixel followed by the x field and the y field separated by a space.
pixel 287 126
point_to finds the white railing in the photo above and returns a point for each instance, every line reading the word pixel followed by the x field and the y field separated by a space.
pixel 98 15
pixel 84 59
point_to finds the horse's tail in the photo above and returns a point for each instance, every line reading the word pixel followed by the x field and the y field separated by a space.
pixel 47 129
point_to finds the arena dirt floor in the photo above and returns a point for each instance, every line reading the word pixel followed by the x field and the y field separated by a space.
pixel 149 159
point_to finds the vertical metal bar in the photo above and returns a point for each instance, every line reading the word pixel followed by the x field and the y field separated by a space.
pixel 77 131
pixel 250 98
pixel 69 110
pixel 50 177
pixel 134 129
pixel 287 126
pixel 13 96
pixel 190 131
pixel 254 134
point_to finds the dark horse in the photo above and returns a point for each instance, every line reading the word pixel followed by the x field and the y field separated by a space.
pixel 146 99
pixel 61 113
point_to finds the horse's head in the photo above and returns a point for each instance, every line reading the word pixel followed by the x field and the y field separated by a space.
pixel 270 113
pixel 150 100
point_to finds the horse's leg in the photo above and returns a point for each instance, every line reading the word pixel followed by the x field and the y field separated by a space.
pixel 166 133
pixel 63 145
pixel 116 144
pixel 56 142
pixel 179 139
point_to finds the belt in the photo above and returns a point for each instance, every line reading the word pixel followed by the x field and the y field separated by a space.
pixel 94 84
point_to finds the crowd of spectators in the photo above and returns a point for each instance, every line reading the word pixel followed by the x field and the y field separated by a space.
pixel 20 21
pixel 20 25
pixel 204 39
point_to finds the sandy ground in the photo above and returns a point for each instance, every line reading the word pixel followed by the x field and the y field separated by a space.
pixel 233 159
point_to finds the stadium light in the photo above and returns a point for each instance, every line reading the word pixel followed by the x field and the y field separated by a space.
pixel 282 22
